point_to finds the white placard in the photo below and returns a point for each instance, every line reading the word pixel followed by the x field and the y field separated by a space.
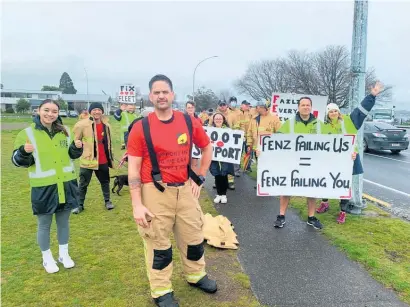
pixel 227 145
pixel 127 94
pixel 285 105
pixel 311 165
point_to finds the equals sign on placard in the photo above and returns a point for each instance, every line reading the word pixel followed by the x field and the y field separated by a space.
pixel 305 161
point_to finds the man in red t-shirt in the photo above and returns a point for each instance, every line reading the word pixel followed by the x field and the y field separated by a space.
pixel 97 155
pixel 176 209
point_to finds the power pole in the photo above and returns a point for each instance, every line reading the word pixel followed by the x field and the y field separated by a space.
pixel 357 89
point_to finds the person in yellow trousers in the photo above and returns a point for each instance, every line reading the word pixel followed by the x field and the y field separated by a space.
pixel 164 192
pixel 46 149
pixel 244 119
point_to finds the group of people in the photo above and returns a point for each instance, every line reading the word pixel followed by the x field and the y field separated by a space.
pixel 164 181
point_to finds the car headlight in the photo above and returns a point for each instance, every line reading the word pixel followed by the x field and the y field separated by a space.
pixel 379 135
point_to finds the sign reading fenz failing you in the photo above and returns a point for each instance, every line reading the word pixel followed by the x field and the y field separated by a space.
pixel 312 165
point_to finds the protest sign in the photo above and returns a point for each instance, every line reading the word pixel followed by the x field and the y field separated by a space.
pixel 285 105
pixel 127 94
pixel 311 165
pixel 227 145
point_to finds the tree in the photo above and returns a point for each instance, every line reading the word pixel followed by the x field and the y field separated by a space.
pixel 225 94
pixel 1 85
pixel 50 88
pixel 63 105
pixel 205 99
pixel 324 73
pixel 22 105
pixel 66 84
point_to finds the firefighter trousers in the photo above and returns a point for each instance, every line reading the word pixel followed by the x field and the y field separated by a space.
pixel 176 211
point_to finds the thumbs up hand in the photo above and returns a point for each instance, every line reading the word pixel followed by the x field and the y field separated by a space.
pixel 28 147
pixel 78 143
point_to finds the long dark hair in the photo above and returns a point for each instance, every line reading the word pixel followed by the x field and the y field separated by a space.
pixel 224 123
pixel 57 125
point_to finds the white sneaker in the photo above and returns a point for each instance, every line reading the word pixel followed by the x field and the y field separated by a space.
pixel 224 199
pixel 67 262
pixel 217 199
pixel 49 264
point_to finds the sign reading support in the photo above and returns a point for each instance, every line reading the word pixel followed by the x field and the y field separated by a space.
pixel 310 165
pixel 127 94
pixel 285 105
pixel 227 145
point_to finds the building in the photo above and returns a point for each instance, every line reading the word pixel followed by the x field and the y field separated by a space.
pixel 10 97
pixel 80 102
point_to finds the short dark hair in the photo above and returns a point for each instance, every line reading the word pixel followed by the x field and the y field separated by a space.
pixel 190 102
pixel 160 78
pixel 308 98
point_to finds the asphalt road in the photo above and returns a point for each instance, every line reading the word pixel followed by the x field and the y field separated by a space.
pixel 387 177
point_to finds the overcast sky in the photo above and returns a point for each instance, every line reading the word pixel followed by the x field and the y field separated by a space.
pixel 121 42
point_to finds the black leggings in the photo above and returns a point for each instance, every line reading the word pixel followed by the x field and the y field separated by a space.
pixel 343 203
pixel 221 183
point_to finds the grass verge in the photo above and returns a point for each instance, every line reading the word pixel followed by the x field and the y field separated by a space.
pixel 377 240
pixel 106 247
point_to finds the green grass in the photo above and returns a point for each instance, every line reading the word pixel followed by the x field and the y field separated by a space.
pixel 106 247
pixel 380 242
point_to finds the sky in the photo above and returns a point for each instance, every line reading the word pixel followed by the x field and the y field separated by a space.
pixel 129 42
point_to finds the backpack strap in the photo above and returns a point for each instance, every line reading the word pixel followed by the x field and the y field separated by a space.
pixel 191 174
pixel 155 173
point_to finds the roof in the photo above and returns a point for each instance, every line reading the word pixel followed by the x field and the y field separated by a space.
pixel 85 97
pixel 5 90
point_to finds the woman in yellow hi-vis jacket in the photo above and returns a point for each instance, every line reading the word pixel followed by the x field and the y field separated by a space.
pixel 46 149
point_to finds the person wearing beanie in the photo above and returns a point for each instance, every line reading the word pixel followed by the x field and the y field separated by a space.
pixel 126 115
pixel 336 123
pixel 95 133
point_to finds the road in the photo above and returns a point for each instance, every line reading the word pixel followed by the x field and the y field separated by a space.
pixel 387 177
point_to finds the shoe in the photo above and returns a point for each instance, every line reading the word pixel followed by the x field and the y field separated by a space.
pixel 238 174
pixel 324 206
pixel 341 219
pixel 109 205
pixel 67 262
pixel 78 210
pixel 205 284
pixel 122 146
pixel 214 186
pixel 280 221
pixel 224 199
pixel 217 199
pixel 166 300
pixel 51 266
pixel 231 186
pixel 314 222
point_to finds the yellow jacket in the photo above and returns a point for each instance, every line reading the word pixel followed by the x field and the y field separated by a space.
pixel 261 125
pixel 244 120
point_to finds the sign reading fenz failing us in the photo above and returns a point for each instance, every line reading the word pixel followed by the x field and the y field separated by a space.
pixel 311 165
pixel 227 145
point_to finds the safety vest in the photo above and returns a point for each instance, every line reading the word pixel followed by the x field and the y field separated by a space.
pixel 344 126
pixel 292 124
pixel 126 120
pixel 52 162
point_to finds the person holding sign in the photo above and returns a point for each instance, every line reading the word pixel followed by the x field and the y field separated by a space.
pixel 221 170
pixel 125 115
pixel 303 122
pixel 164 192
pixel 337 123
pixel 46 149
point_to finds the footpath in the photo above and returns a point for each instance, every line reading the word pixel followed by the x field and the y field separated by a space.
pixel 294 266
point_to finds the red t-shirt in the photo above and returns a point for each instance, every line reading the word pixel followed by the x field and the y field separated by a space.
pixel 171 145
pixel 102 158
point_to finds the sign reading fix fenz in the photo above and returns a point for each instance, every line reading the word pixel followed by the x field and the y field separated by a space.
pixel 311 165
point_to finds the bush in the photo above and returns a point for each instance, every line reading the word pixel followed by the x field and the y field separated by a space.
pixel 9 110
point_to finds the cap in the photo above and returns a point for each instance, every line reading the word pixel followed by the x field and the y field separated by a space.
pixel 246 102
pixel 221 102
pixel 332 106
pixel 96 105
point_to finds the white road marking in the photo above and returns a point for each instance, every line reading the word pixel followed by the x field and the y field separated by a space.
pixel 387 188
pixel 388 158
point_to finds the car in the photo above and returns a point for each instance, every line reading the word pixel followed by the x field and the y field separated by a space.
pixel 62 113
pixel 34 112
pixel 384 136
pixel 73 114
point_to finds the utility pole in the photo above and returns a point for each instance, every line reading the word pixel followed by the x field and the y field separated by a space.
pixel 88 99
pixel 357 89
pixel 193 77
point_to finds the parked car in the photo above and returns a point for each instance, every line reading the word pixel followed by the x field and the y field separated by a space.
pixel 73 114
pixel 34 112
pixel 62 113
pixel 383 136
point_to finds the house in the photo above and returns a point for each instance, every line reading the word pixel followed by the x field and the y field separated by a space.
pixel 80 102
pixel 9 97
